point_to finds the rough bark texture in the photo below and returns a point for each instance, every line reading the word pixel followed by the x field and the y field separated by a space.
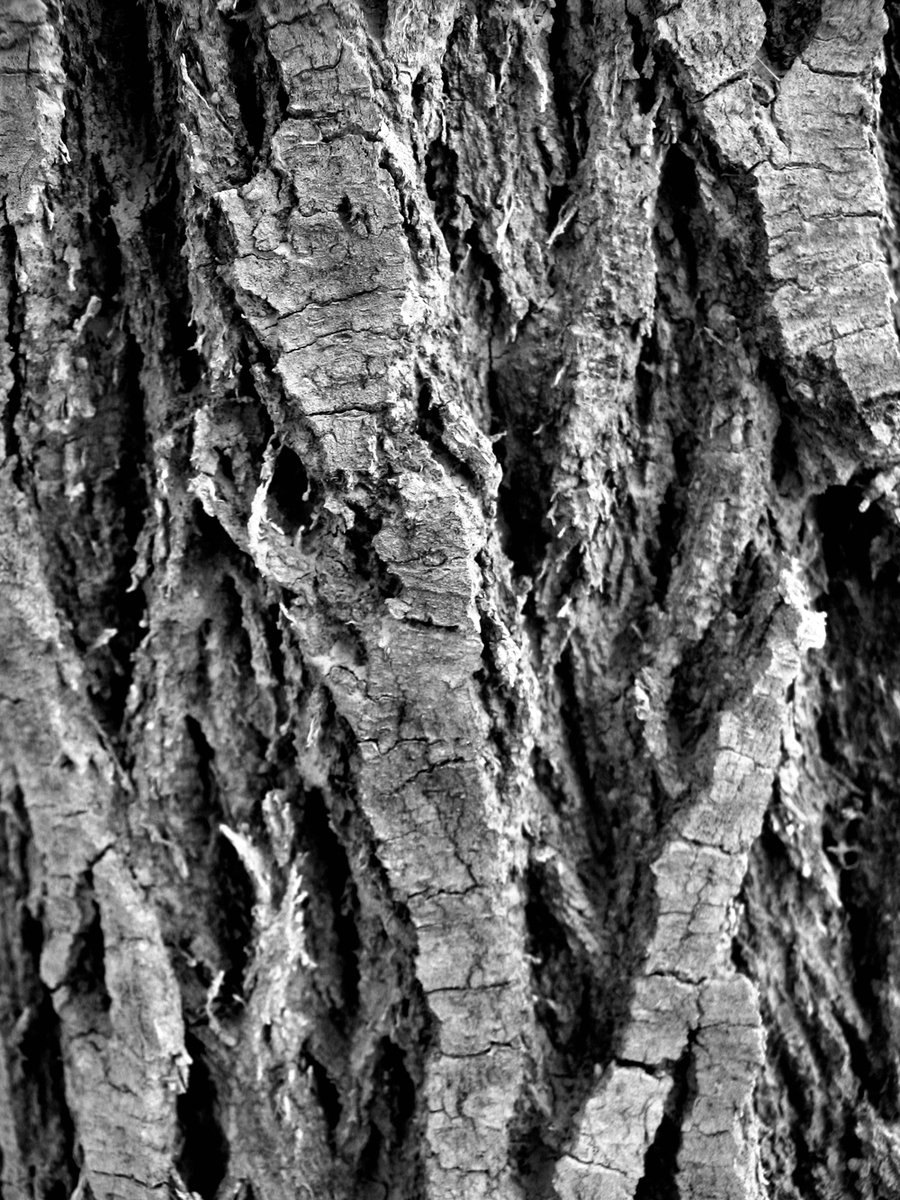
pixel 449 599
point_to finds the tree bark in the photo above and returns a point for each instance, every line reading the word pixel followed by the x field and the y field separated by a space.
pixel 450 620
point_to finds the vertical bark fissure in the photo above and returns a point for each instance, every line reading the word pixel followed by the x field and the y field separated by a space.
pixel 255 76
pixel 201 1160
pixel 790 27
pixel 41 1158
pixel 660 1178
pixel 833 823
pixel 378 1015
pixel 85 996
pixel 570 62
pixel 14 317
pixel 118 359
pixel 858 835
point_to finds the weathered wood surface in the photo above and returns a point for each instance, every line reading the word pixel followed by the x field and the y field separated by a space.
pixel 449 555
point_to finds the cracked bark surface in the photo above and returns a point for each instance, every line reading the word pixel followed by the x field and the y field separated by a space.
pixel 449 561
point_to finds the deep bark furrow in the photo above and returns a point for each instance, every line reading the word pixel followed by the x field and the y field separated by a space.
pixel 845 769
pixel 790 27
pixel 660 1178
pixel 37 1141
pixel 14 366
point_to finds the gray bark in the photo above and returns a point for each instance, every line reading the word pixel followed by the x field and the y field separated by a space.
pixel 449 577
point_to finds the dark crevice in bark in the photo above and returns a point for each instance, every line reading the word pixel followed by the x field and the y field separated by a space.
pixel 43 1122
pixel 203 765
pixel 375 13
pixel 570 52
pixel 216 555
pixel 133 261
pixel 677 256
pixel 121 513
pixel 29 1027
pixel 108 61
pixel 15 328
pixel 231 899
pixel 791 1071
pixel 574 1028
pixel 370 566
pixel 644 62
pixel 441 173
pixel 228 892
pixel 202 1159
pixel 526 428
pixel 562 971
pixel 583 992
pixel 386 1159
pixel 326 1093
pixel 790 27
pixel 275 634
pixel 709 296
pixel 803 1106
pixel 787 473
pixel 578 740
pixel 535 1162
pixel 333 909
pixel 372 1029
pixel 861 551
pixel 441 178
pixel 486 278
pixel 289 501
pixel 431 426
pixel 243 30
pixel 646 374
pixel 832 1070
pixel 164 240
pixel 92 524
pixel 258 88
pixel 672 519
pixel 256 382
pixel 233 749
pixel 85 980
pixel 152 148
pixel 677 202
pixel 713 260
pixel 169 335
pixel 660 1178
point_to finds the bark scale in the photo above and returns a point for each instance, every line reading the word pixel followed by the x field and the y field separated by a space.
pixel 449 559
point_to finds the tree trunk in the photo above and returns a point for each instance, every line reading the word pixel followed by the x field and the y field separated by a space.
pixel 450 569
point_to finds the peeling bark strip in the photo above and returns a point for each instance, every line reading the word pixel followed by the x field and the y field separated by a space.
pixel 449 565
